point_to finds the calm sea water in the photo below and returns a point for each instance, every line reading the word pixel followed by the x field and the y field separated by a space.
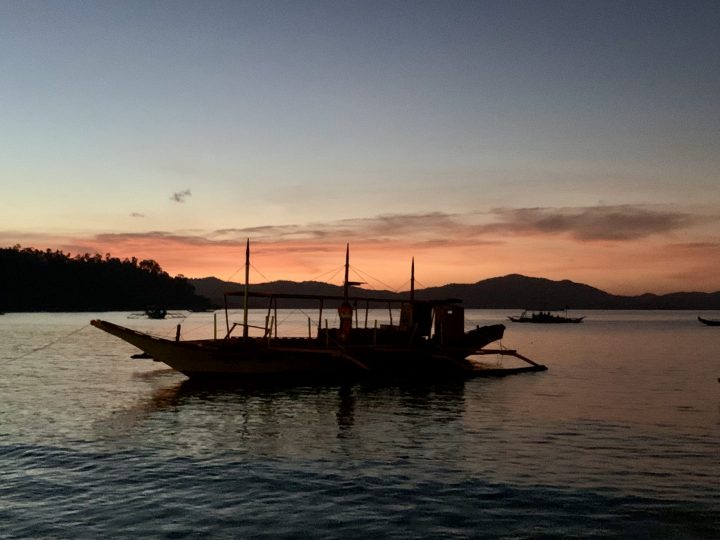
pixel 620 438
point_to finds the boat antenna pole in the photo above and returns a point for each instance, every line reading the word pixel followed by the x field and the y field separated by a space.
pixel 412 280
pixel 247 286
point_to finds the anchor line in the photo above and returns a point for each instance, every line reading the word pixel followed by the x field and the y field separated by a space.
pixel 43 347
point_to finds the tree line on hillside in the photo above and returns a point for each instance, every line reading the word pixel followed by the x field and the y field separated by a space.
pixel 36 280
pixel 513 291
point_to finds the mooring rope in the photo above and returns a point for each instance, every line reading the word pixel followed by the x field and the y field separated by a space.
pixel 333 271
pixel 259 272
pixel 188 329
pixel 43 347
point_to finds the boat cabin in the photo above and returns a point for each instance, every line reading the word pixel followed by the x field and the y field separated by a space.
pixel 440 320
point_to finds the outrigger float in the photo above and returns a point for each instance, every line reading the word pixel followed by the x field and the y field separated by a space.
pixel 429 341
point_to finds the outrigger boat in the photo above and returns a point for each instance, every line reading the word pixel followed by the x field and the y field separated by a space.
pixel 545 317
pixel 709 322
pixel 429 341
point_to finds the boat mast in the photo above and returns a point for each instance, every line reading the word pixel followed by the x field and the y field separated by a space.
pixel 347 273
pixel 412 280
pixel 345 311
pixel 247 287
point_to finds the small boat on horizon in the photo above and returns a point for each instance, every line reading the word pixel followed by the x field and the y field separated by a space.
pixel 429 341
pixel 709 322
pixel 157 313
pixel 546 317
pixel 154 312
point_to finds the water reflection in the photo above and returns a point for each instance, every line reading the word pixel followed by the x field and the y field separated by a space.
pixel 287 420
pixel 345 416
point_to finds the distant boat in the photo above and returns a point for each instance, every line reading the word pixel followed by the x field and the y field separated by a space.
pixel 429 341
pixel 709 322
pixel 155 313
pixel 545 317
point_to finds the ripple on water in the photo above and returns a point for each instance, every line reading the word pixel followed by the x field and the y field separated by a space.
pixel 58 492
pixel 619 438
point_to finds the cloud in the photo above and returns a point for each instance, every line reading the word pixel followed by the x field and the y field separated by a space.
pixel 649 241
pixel 160 236
pixel 437 229
pixel 268 232
pixel 137 215
pixel 621 223
pixel 699 246
pixel 384 233
pixel 180 196
pixel 382 228
pixel 402 225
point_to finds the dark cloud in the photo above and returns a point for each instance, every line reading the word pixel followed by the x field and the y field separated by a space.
pixel 701 246
pixel 180 196
pixel 593 223
pixel 261 231
pixel 197 240
pixel 427 229
pixel 468 242
pixel 435 229
pixel 399 225
pixel 137 215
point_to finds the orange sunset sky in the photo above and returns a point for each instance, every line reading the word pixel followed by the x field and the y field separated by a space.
pixel 567 140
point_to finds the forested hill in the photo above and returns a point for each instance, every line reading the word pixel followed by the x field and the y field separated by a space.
pixel 35 280
pixel 523 292
pixel 513 291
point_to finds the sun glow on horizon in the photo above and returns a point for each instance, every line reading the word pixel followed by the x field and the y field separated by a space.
pixel 616 267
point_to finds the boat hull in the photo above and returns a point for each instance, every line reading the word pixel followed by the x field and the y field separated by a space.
pixel 252 358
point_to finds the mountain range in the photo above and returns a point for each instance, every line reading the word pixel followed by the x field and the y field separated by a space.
pixel 513 291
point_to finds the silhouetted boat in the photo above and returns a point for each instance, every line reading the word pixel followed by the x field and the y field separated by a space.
pixel 709 322
pixel 545 317
pixel 155 313
pixel 429 341
pixel 158 314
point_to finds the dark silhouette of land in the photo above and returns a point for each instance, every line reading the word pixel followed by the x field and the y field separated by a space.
pixel 513 291
pixel 34 280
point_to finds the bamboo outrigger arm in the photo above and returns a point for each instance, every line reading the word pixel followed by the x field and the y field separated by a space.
pixel 510 352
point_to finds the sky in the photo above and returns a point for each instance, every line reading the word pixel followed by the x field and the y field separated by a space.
pixel 562 139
